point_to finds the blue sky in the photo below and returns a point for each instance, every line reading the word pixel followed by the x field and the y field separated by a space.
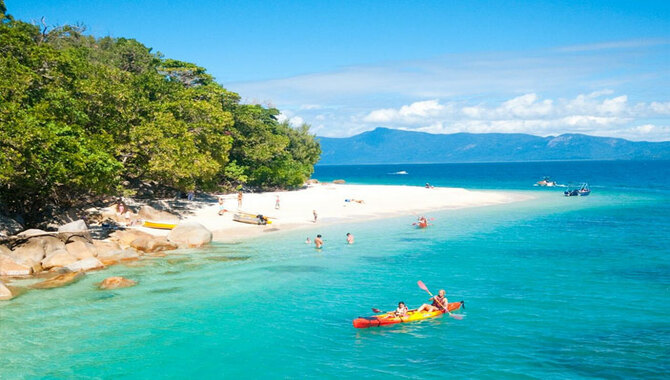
pixel 540 67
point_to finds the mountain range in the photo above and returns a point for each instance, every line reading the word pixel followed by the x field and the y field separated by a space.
pixel 390 146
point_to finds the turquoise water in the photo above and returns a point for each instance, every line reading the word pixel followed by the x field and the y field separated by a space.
pixel 554 287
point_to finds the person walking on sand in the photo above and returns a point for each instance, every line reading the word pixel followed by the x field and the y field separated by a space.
pixel 277 203
pixel 350 238
pixel 315 215
pixel 318 242
pixel 239 199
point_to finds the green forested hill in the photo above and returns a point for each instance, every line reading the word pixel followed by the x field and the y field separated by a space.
pixel 81 115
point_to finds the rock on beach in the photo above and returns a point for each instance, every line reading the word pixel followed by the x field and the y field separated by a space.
pixel 190 235
pixel 10 267
pixel 5 293
pixel 58 259
pixel 89 263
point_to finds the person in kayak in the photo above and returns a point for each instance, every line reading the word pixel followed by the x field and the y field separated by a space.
pixel 401 311
pixel 440 303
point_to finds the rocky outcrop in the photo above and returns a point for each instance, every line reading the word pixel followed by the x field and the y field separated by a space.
pixel 81 250
pixel 85 264
pixel 124 238
pixel 339 181
pixel 114 257
pixel 60 280
pixel 77 228
pixel 58 259
pixel 5 293
pixel 30 252
pixel 150 213
pixel 104 246
pixel 190 235
pixel 116 283
pixel 152 244
pixel 9 226
pixel 31 232
pixel 9 266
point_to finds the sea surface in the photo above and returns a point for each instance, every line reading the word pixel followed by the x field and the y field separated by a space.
pixel 554 288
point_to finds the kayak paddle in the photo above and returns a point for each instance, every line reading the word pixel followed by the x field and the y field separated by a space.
pixel 424 287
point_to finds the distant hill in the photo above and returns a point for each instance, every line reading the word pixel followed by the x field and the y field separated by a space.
pixel 386 146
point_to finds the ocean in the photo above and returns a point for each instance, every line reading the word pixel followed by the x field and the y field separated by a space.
pixel 554 288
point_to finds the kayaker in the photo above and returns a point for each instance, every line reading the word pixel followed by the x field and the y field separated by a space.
pixel 401 311
pixel 440 302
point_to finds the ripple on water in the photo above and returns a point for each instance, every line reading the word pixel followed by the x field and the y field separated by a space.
pixel 295 268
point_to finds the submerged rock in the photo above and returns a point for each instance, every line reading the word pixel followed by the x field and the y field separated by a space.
pixel 60 280
pixel 116 283
pixel 190 235
pixel 89 263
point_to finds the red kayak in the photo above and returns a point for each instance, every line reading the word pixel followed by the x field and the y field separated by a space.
pixel 391 318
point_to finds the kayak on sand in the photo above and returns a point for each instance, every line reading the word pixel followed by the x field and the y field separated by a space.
pixel 391 318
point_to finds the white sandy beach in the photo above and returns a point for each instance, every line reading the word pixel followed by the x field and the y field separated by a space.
pixel 329 202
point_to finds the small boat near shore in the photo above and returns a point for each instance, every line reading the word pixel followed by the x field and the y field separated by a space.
pixel 546 182
pixel 248 218
pixel 581 191
pixel 159 225
pixel 391 317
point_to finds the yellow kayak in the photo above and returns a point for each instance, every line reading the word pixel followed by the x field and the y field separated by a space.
pixel 392 318
pixel 159 225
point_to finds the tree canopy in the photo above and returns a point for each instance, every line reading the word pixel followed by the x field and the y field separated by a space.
pixel 81 115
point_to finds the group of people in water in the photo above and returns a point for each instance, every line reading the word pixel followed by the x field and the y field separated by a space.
pixel 439 303
pixel 318 240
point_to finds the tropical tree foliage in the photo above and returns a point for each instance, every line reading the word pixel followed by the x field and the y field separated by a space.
pixel 83 116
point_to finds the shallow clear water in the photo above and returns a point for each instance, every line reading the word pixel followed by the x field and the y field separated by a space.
pixel 554 287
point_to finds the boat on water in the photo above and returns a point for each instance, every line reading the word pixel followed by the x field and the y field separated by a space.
pixel 391 317
pixel 581 191
pixel 402 172
pixel 546 182
pixel 248 218
pixel 159 225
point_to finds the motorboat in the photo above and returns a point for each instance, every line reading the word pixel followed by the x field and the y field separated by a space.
pixel 580 191
pixel 546 182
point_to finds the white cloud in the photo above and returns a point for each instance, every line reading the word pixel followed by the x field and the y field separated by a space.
pixel 610 88
pixel 591 113
pixel 406 114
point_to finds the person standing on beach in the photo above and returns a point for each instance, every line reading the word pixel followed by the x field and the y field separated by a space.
pixel 318 242
pixel 350 238
pixel 315 215
pixel 191 195
pixel 239 199
pixel 222 208
pixel 277 203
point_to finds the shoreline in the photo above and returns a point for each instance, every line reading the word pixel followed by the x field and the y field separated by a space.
pixel 366 203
